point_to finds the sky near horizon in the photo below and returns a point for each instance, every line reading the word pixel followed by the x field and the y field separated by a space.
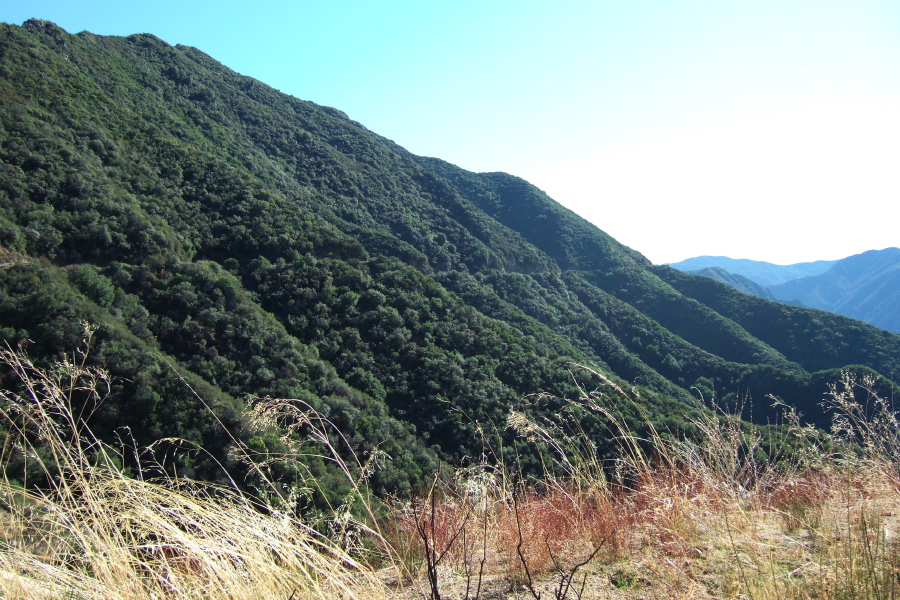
pixel 767 130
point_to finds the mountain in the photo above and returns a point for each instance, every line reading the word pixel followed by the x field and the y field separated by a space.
pixel 227 241
pixel 738 282
pixel 763 273
pixel 864 286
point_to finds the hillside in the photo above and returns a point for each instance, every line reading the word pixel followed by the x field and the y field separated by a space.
pixel 864 286
pixel 224 235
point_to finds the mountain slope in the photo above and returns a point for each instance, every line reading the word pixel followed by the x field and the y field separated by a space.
pixel 253 243
pixel 865 287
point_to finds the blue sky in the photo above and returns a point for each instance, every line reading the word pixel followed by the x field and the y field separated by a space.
pixel 767 130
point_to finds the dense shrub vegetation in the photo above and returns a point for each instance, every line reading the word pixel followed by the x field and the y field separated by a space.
pixel 228 240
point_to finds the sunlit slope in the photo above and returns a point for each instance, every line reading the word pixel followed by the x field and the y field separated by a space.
pixel 261 244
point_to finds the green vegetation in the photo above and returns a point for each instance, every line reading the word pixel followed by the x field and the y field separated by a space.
pixel 229 241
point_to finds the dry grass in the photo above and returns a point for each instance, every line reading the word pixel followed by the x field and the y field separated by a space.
pixel 91 531
pixel 667 518
pixel 9 257
pixel 829 534
pixel 697 519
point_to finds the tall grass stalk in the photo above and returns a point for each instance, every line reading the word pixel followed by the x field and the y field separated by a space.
pixel 81 526
pixel 724 512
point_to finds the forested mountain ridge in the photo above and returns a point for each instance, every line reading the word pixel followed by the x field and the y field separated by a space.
pixel 738 282
pixel 252 243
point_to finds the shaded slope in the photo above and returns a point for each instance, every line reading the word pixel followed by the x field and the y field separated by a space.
pixel 864 286
pixel 812 338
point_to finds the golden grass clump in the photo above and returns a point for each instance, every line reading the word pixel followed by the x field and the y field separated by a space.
pixel 90 530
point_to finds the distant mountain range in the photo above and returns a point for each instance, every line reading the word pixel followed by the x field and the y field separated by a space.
pixel 763 273
pixel 864 286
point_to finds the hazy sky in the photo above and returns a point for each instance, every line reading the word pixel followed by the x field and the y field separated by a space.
pixel 767 130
